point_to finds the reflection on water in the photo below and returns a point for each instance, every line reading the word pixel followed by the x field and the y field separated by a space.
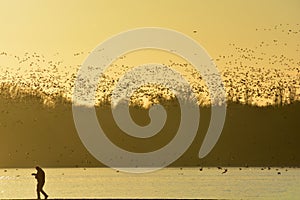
pixel 237 183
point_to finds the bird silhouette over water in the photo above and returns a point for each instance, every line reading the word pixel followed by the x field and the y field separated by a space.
pixel 225 171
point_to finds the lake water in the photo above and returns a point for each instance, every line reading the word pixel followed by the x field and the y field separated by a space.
pixel 236 183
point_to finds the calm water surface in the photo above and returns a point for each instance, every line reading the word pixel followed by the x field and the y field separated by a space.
pixel 245 183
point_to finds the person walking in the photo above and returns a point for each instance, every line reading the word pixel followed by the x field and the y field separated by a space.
pixel 40 177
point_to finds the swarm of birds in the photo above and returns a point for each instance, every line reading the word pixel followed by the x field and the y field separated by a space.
pixel 252 76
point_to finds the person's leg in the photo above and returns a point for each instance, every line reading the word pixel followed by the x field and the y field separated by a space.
pixel 38 192
pixel 40 189
pixel 44 193
pixel 41 185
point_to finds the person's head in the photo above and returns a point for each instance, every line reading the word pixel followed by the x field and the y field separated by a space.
pixel 37 168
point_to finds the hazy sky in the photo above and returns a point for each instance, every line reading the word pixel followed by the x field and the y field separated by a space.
pixel 72 26
pixel 235 33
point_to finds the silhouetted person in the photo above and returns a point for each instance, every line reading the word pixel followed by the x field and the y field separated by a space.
pixel 40 177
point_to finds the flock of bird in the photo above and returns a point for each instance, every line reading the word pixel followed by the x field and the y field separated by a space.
pixel 254 76
pixel 283 28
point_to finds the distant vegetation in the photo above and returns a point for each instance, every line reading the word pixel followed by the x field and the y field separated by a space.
pixel 32 133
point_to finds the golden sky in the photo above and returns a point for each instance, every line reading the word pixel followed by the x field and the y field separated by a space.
pixel 71 26
pixel 228 30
